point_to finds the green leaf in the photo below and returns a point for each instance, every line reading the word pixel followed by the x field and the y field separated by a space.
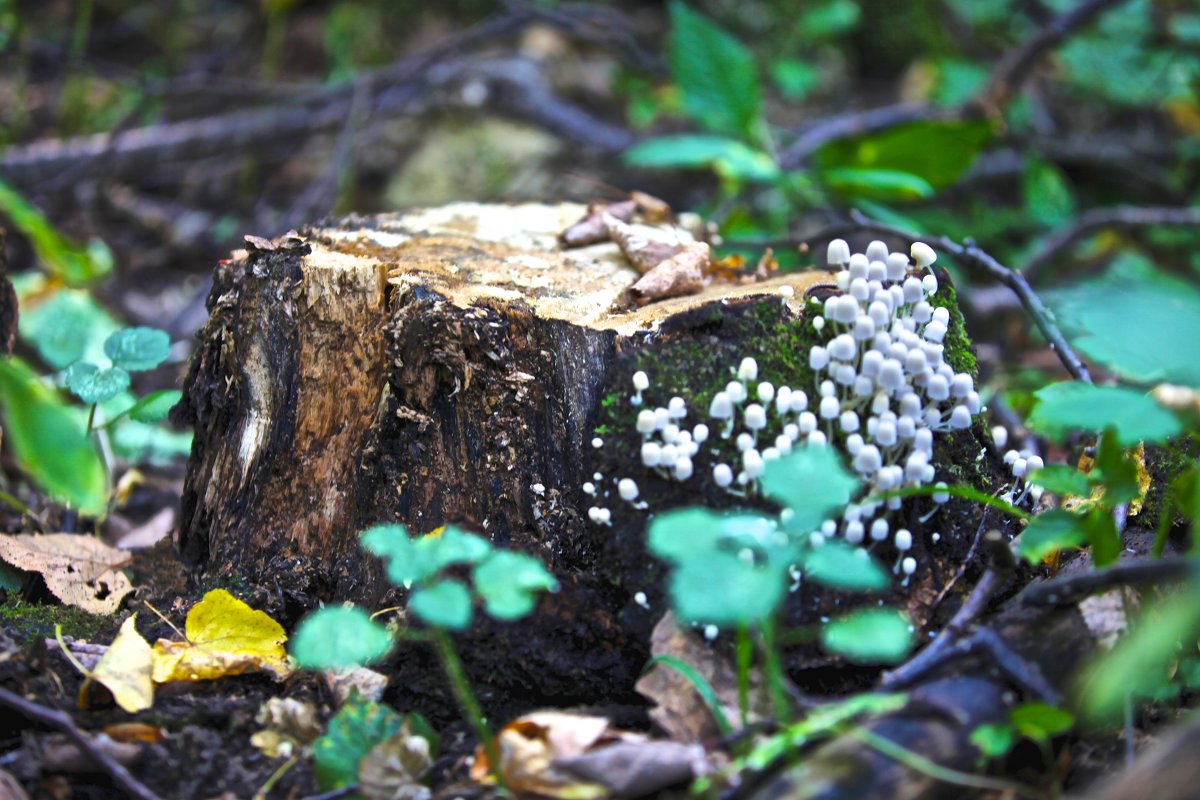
pixel 509 582
pixel 729 157
pixel 145 443
pixel 94 385
pixel 1138 664
pixel 138 349
pixel 937 152
pixel 443 604
pixel 1049 532
pixel 795 78
pixel 716 75
pixel 1041 721
pixel 454 546
pixel 413 560
pixel 353 732
pixel 1115 470
pixel 875 636
pixel 155 406
pixel 72 263
pixel 725 589
pixel 66 327
pixel 843 567
pixel 50 441
pixel 885 184
pixel 1074 406
pixel 682 533
pixel 1134 321
pixel 812 483
pixel 339 637
pixel 1048 197
pixel 994 740
pixel 1062 479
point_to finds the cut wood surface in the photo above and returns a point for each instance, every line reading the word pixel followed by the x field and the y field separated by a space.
pixel 455 365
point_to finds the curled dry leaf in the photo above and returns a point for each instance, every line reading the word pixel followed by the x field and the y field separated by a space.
pixel 530 746
pixel 637 769
pixel 392 769
pixel 224 637
pixel 683 273
pixel 79 570
pixel 644 252
pixel 367 682
pixel 591 229
pixel 288 725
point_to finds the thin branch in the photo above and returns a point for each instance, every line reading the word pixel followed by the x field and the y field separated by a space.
pixel 1123 217
pixel 855 123
pixel 1067 589
pixel 63 722
pixel 1011 72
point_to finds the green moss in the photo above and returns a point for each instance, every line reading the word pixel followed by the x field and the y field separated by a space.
pixel 959 352
pixel 1165 463
pixel 27 622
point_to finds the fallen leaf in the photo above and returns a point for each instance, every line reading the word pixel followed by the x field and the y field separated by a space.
pixel 342 682
pixel 636 243
pixel 682 273
pixel 131 732
pixel 288 725
pixel 224 637
pixel 126 669
pixel 679 709
pixel 392 769
pixel 591 229
pixel 637 769
pixel 11 788
pixel 530 746
pixel 79 570
pixel 151 531
pixel 60 754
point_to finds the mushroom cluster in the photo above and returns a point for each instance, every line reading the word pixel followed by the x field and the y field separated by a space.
pixel 881 392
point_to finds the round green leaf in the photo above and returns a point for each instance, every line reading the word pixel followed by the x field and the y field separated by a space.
pixel 877 636
pixel 339 637
pixel 91 384
pixel 353 732
pixel 843 567
pixel 137 349
pixel 725 589
pixel 50 441
pixel 1074 406
pixel 811 482
pixel 509 582
pixel 155 406
pixel 443 604
pixel 406 564
pixel 1049 532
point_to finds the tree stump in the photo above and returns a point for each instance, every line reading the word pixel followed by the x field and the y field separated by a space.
pixel 454 365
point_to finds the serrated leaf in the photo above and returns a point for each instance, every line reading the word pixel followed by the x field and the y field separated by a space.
pixel 91 384
pixel 66 327
pixel 354 731
pixel 843 567
pixel 155 406
pixel 1075 406
pixel 412 560
pixel 715 73
pixel 1049 532
pixel 138 349
pixel 444 604
pixel 812 483
pixel 725 589
pixel 225 636
pixel 339 637
pixel 50 441
pixel 875 636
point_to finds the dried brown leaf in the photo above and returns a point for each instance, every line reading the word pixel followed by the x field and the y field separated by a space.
pixel 79 570
pixel 393 768
pixel 643 252
pixel 683 273
pixel 590 229
pixel 637 769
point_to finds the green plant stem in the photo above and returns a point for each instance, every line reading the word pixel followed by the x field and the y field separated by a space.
pixel 91 419
pixel 17 505
pixel 921 764
pixel 745 653
pixel 955 490
pixel 700 684
pixel 773 666
pixel 467 701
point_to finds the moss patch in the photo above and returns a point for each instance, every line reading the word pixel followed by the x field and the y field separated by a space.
pixel 28 622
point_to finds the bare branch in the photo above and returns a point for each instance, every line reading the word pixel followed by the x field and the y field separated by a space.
pixel 857 123
pixel 1123 217
pixel 1067 589
pixel 63 722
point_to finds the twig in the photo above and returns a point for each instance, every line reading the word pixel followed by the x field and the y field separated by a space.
pixel 853 123
pixel 1067 589
pixel 63 722
pixel 973 256
pixel 1011 72
pixel 1099 218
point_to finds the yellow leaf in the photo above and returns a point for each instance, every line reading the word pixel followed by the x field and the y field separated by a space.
pixel 79 570
pixel 1143 479
pixel 224 637
pixel 126 667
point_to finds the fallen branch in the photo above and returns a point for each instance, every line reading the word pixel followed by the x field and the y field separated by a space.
pixel 1067 589
pixel 1123 217
pixel 63 722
